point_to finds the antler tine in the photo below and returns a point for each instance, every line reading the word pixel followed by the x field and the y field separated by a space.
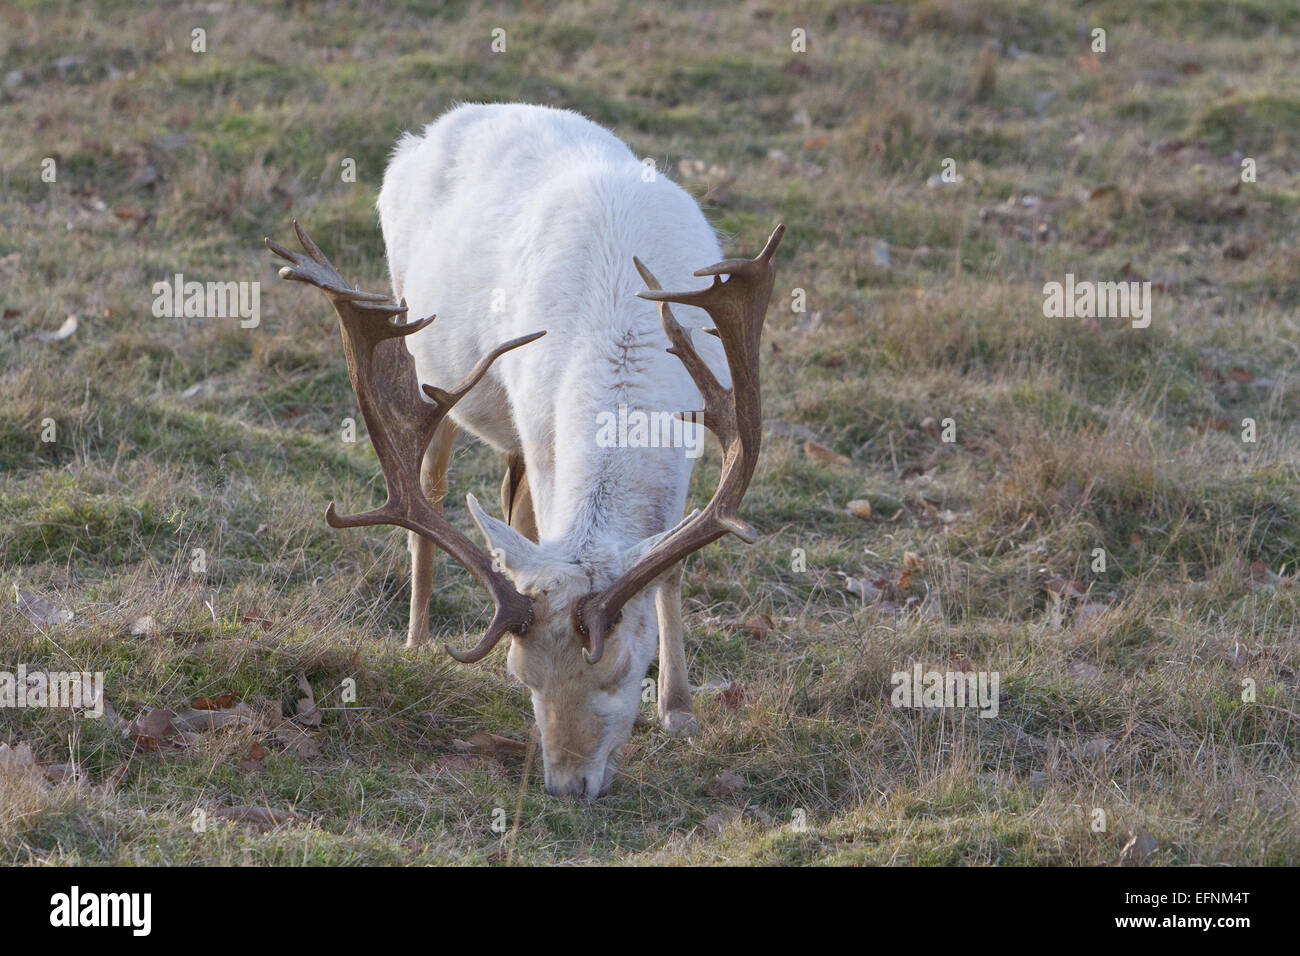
pixel 496 630
pixel 738 306
pixel 448 399
pixel 711 390
pixel 401 424
pixel 732 266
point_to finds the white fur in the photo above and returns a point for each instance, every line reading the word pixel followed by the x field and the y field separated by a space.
pixel 544 210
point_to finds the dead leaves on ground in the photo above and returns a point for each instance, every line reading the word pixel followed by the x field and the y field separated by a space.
pixel 158 729
pixel 220 702
pixel 262 819
pixel 308 714
pixel 251 762
pixel 859 508
pixel 153 729
pixel 725 784
pixel 482 751
pixel 39 611
pixel 908 591
pixel 18 762
pixel 819 452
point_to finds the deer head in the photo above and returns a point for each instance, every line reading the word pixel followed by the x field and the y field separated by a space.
pixel 582 635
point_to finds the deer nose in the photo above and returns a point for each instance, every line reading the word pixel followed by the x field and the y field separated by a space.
pixel 575 787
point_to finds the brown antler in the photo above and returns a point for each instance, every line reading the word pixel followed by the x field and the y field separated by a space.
pixel 401 425
pixel 738 306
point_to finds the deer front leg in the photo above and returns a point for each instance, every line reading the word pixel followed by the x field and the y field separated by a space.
pixel 517 500
pixel 433 480
pixel 675 715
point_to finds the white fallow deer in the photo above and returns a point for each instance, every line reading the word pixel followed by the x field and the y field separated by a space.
pixel 510 219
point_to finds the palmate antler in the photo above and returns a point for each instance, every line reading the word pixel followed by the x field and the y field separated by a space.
pixel 401 424
pixel 738 306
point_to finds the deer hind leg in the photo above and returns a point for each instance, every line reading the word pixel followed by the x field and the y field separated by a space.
pixel 675 714
pixel 433 479
pixel 517 500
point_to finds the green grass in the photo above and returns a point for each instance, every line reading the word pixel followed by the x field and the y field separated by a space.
pixel 1072 435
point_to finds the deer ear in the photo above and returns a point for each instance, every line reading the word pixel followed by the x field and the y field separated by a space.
pixel 510 550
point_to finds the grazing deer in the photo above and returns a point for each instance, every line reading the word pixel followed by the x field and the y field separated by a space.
pixel 508 219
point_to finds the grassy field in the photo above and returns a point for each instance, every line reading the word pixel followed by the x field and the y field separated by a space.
pixel 1121 690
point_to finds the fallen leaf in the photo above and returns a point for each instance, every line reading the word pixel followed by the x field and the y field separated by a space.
pixel 820 452
pixel 151 729
pixel 260 818
pixel 297 741
pixel 859 508
pixel 308 714
pixel 40 611
pixel 206 721
pixel 252 761
pixel 18 761
pixel 114 720
pixel 733 695
pixel 135 214
pixel 863 587
pixel 912 563
pixel 725 783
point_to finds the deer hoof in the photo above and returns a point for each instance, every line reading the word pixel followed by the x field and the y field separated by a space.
pixel 679 723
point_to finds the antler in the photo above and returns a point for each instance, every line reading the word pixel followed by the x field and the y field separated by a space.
pixel 738 306
pixel 401 424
